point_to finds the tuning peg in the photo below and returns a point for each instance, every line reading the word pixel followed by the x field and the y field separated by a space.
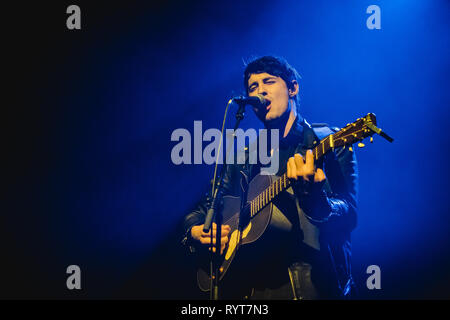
pixel 361 145
pixel 371 139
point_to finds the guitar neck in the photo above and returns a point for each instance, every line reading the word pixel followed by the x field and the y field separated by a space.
pixel 282 183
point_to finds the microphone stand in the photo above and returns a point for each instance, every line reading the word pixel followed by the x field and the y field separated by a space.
pixel 214 213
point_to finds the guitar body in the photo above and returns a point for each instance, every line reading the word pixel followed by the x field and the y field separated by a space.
pixel 252 229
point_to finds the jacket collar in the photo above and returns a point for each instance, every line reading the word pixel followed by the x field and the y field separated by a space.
pixel 301 136
pixel 294 136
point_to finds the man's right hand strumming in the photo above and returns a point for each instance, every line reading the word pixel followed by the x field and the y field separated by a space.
pixel 205 238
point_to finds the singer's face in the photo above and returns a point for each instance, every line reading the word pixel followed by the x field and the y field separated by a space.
pixel 273 89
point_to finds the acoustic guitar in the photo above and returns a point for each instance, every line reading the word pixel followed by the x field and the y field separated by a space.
pixel 249 224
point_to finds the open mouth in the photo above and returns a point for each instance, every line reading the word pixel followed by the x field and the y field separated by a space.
pixel 267 104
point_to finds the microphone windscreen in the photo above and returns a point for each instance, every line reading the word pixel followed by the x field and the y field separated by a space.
pixel 262 100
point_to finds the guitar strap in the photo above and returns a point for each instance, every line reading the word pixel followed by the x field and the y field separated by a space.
pixel 312 135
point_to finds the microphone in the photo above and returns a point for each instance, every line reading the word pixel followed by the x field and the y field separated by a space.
pixel 256 101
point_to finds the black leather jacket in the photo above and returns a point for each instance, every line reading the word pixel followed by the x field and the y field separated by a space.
pixel 322 259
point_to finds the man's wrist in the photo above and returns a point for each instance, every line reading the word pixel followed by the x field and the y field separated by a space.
pixel 315 204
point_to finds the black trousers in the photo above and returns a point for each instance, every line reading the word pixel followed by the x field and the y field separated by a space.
pixel 297 285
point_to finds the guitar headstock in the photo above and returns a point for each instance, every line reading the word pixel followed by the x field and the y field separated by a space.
pixel 356 131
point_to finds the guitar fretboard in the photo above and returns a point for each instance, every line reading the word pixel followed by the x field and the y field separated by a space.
pixel 282 183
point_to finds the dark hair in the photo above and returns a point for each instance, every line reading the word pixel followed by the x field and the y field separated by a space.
pixel 275 66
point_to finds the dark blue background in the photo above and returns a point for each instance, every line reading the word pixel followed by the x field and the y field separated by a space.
pixel 89 176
